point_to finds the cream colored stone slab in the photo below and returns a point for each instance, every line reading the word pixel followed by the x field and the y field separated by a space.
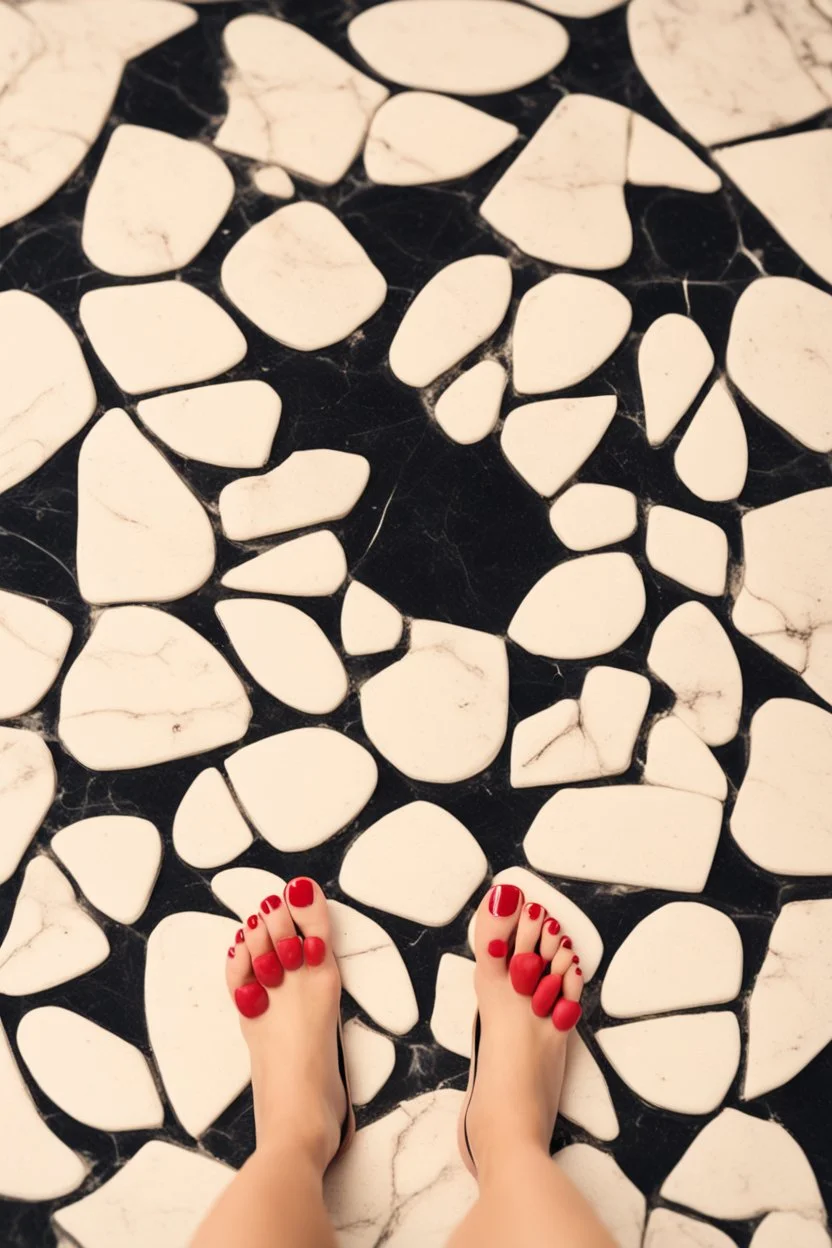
pixel 627 834
pixel 47 393
pixel 147 688
pixel 241 889
pixel 470 407
pixel 688 549
pixel 712 457
pixel 692 654
pixel 158 1197
pixel 50 939
pixel 668 1229
pixel 293 101
pixel 369 623
pixel 454 1004
pixel 418 137
pixel 616 1200
pixel 779 1229
pixel 28 784
pixel 372 969
pixel 34 640
pixel 657 158
pixel 274 181
pixel 585 1098
pixel 467 47
pixel 310 487
pixel 301 787
pixel 114 860
pixel 191 1020
pixel 159 334
pixel 674 361
pixel 90 1073
pixel 548 441
pixel 581 608
pixel 588 515
pixel 370 1058
pixel 231 424
pixel 741 1166
pixel 302 277
pixel 418 862
pixel 453 313
pixel 311 566
pixel 440 713
pixel 208 829
pixel 286 652
pixel 154 202
pixel 678 759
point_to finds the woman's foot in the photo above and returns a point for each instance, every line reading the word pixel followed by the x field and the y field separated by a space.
pixel 283 977
pixel 528 984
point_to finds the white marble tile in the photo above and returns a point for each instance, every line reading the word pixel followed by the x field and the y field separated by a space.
pixel 418 137
pixel 712 457
pixel 34 640
pixel 293 101
pixel 674 362
pixel 147 688
pixel 309 487
pixel 372 969
pixel 28 784
pixel 454 1004
pixel 114 860
pixel 50 939
pixel 301 787
pixel 191 1020
pixel 302 277
pixel 668 1229
pixel 274 181
pixel 208 829
pixel 585 1098
pixel 47 393
pixel 370 1058
pixel 311 566
pixel 657 158
pixel 154 202
pixel 692 654
pixel 589 515
pixel 679 759
pixel 143 536
pixel 627 834
pixel 90 1073
pixel 440 713
pixel 548 441
pixel 616 1200
pixel 241 889
pixel 577 8
pixel 369 623
pixel 231 424
pixel 455 311
pixel 418 862
pixel 792 1229
pixel 687 548
pixel 470 407
pixel 286 652
pixel 468 47
pixel 581 608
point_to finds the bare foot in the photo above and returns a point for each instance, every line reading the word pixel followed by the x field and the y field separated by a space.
pixel 284 980
pixel 528 984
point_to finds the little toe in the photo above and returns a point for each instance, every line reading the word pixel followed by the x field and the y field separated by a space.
pixel 567 1009
pixel 249 996
pixel 550 938
pixel 307 904
pixel 565 957
pixel 532 918
pixel 497 919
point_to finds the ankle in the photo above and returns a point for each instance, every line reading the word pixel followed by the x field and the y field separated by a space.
pixel 306 1132
pixel 498 1153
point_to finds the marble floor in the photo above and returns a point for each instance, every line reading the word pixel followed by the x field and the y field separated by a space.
pixel 415 431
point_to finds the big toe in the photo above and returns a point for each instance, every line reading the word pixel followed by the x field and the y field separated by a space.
pixel 497 919
pixel 306 902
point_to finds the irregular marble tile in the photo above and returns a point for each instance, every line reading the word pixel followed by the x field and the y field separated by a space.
pixel 790 1007
pixel 581 608
pixel 90 1073
pixel 63 66
pixel 712 457
pixel 34 1163
pixel 678 759
pixel 585 1098
pixel 274 181
pixel 467 47
pixel 668 1229
pixel 34 640
pixel 302 278
pixel 191 1020
pixel 370 1058
pixel 47 393
pixel 147 688
pixel 454 1004
pixel 293 101
pixel 301 787
pixel 241 889
pixel 453 313
pixel 582 739
pixel 674 362
pixel 159 334
pixel 154 202
pixel 657 158
pixel 159 1196
pixel 548 441
pixel 588 516
pixel 28 784
pixel 369 623
pixel 372 969
pixel 786 786
pixel 114 860
pixel 50 939
pixel 286 652
pixel 616 1200
pixel 231 424
pixel 627 834
pixel 785 601
pixel 779 355
pixel 778 1229
pixel 740 1166
pixel 143 536
pixel 311 566
pixel 687 548
pixel 418 862
pixel 440 713
pixel 418 137
pixel 566 327
pixel 470 407
pixel 208 829
pixel 577 8
pixel 310 487
pixel 692 654
pixel 685 1063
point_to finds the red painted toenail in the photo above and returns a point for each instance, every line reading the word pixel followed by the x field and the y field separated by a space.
pixel 546 994
pixel 578 971
pixel 252 921
pixel 290 952
pixel 252 999
pixel 534 911
pixel 301 892
pixel 270 903
pixel 497 948
pixel 566 1014
pixel 553 927
pixel 240 937
pixel 503 900
pixel 525 970
pixel 575 959
pixel 566 943
pixel 231 952
pixel 314 950
pixel 268 969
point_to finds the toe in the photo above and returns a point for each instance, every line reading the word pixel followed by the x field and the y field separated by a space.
pixel 564 957
pixel 567 1010
pixel 277 921
pixel 249 996
pixel 497 920
pixel 532 918
pixel 550 939
pixel 307 905
pixel 264 961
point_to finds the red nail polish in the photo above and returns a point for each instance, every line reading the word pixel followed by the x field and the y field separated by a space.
pixel 497 948
pixel 290 952
pixel 578 971
pixel 534 911
pixel 566 943
pixel 314 950
pixel 231 952
pixel 240 937
pixel 546 994
pixel 252 921
pixel 553 927
pixel 300 892
pixel 270 903
pixel 575 959
pixel 503 900
pixel 252 999
pixel 566 1014
pixel 268 969
pixel 525 970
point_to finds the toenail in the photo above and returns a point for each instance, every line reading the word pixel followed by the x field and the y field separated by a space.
pixel 301 892
pixel 252 999
pixel 546 994
pixel 497 948
pixel 268 969
pixel 270 903
pixel 290 952
pixel 553 927
pixel 566 1014
pixel 578 970
pixel 314 950
pixel 231 952
pixel 534 910
pixel 566 943
pixel 240 937
pixel 575 959
pixel 503 900
pixel 252 921
pixel 525 970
